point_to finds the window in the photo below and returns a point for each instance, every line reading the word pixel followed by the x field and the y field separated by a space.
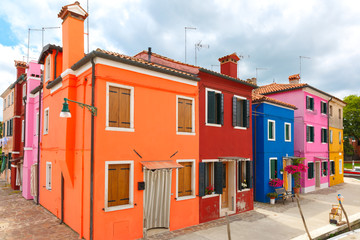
pixel 324 135
pixel 4 103
pixel 310 170
pixel 22 131
pixel 331 136
pixel 48 175
pixel 46 121
pixel 47 68
pixel 12 97
pixel 331 111
pixel 323 106
pixel 185 179
pixel 185 115
pixel 340 140
pixel 324 168
pixel 8 101
pixel 37 124
pixel 215 107
pixel 287 132
pixel 332 167
pixel 23 92
pixel 339 113
pixel 310 133
pixel 119 185
pixel 206 178
pixel 273 168
pixel 9 130
pixel 340 166
pixel 310 103
pixel 3 130
pixel 271 130
pixel 241 113
pixel 120 107
pixel 244 175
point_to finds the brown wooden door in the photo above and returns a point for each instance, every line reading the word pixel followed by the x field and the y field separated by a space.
pixel 225 194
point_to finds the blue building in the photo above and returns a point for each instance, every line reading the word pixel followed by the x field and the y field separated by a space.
pixel 273 143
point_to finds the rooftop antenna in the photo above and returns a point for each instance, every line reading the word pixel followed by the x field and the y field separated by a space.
pixel 198 46
pixel 301 57
pixel 42 35
pixel 257 69
pixel 28 50
pixel 87 25
pixel 187 28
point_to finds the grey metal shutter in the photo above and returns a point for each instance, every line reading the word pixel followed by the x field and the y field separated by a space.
pixel 249 174
pixel 221 109
pixel 234 107
pixel 211 107
pixel 247 113
pixel 218 177
pixel 202 179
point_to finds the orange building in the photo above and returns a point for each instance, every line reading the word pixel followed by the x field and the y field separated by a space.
pixel 131 162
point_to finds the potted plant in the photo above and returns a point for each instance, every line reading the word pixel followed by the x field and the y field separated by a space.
pixel 209 190
pixel 276 182
pixel 272 196
pixel 295 170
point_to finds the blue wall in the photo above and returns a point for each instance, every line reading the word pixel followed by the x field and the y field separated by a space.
pixel 264 149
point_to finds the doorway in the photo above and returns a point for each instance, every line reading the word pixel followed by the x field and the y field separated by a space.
pixel 289 176
pixel 317 174
pixel 157 198
pixel 228 196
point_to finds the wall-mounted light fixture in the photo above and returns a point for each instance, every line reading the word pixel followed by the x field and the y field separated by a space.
pixel 65 112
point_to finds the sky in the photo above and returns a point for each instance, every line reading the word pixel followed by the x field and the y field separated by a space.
pixel 270 35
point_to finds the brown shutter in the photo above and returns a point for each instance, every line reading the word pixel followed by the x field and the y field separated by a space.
pixel 124 108
pixel 118 184
pixel 181 115
pixel 181 191
pixel 114 102
pixel 184 115
pixel 187 178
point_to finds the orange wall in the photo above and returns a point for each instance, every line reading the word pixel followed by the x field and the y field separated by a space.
pixel 154 138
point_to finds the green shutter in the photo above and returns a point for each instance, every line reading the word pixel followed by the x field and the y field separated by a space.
pixel 211 107
pixel 234 107
pixel 249 174
pixel 218 169
pixel 239 175
pixel 202 179
pixel 273 168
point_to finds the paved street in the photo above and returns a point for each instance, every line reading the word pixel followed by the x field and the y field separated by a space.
pixel 22 219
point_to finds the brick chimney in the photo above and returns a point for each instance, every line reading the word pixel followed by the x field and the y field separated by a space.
pixel 294 79
pixel 228 65
pixel 20 68
pixel 73 16
pixel 252 81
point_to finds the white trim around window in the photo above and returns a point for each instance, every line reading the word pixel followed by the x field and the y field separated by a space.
pixel 271 159
pixel 213 176
pixel 131 187
pixel 287 124
pixel 273 129
pixel 331 136
pixel 48 175
pixel 22 131
pixel 46 120
pixel 47 68
pixel 206 107
pixel 192 180
pixel 192 115
pixel 131 129
pixel 242 98
pixel 340 166
pixel 332 161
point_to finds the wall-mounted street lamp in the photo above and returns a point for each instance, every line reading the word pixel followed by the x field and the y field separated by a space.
pixel 65 112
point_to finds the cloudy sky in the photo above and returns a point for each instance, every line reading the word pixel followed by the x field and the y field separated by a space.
pixel 269 34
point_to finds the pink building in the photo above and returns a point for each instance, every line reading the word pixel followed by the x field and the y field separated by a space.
pixel 32 117
pixel 310 128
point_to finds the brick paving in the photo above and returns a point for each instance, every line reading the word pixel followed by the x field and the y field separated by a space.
pixel 23 219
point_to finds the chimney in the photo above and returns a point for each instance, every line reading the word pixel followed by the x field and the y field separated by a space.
pixel 20 68
pixel 73 17
pixel 252 81
pixel 294 79
pixel 228 65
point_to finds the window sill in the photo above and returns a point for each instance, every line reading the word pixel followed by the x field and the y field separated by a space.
pixel 243 190
pixel 116 208
pixel 287 140
pixel 273 140
pixel 310 142
pixel 186 133
pixel 210 195
pixel 46 133
pixel 119 129
pixel 241 128
pixel 185 198
pixel 213 125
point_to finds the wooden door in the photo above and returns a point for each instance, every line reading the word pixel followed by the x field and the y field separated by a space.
pixel 225 194
pixel 317 174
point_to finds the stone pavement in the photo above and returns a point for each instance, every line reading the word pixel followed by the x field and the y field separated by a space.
pixel 23 219
pixel 279 221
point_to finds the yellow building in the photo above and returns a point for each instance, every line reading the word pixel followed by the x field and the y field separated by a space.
pixel 336 146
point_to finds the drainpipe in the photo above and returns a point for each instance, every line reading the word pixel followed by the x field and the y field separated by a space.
pixel 258 105
pixel 62 199
pixel 38 150
pixel 92 150
pixel 57 51
pixel 328 118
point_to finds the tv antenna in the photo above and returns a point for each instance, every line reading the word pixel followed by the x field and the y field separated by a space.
pixel 198 46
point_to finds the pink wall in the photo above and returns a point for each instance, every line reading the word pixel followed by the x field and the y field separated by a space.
pixel 32 107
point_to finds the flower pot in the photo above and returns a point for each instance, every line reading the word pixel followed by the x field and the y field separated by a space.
pixel 296 191
pixel 272 200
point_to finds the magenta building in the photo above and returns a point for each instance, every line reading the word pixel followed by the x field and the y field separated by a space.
pixel 32 120
pixel 310 128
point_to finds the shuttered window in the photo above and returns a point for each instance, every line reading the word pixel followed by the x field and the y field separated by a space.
pixel 119 107
pixel 241 112
pixel 206 178
pixel 48 175
pixel 324 169
pixel 273 168
pixel 309 133
pixel 332 167
pixel 185 179
pixel 271 130
pixel 185 115
pixel 215 107
pixel 46 121
pixel 245 173
pixel 287 132
pixel 118 184
pixel 323 107
pixel 324 136
pixel 310 170
pixel 331 136
pixel 309 103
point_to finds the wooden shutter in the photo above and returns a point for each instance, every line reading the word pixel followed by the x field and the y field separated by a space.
pixel 273 168
pixel 124 108
pixel 312 103
pixel 211 107
pixel 187 178
pixel 181 190
pixel 312 134
pixel 118 184
pixel 307 102
pixel 234 107
pixel 181 115
pixel 247 113
pixel 187 111
pixel 218 168
pixel 119 107
pixel 307 133
pixel 202 179
pixel 239 175
pixel 221 109
pixel 249 174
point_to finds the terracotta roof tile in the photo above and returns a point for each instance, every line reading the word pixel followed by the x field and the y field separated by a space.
pixel 65 9
pixel 279 87
pixel 232 56
pixel 139 60
pixel 261 98
pixel 166 58
pixel 20 64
